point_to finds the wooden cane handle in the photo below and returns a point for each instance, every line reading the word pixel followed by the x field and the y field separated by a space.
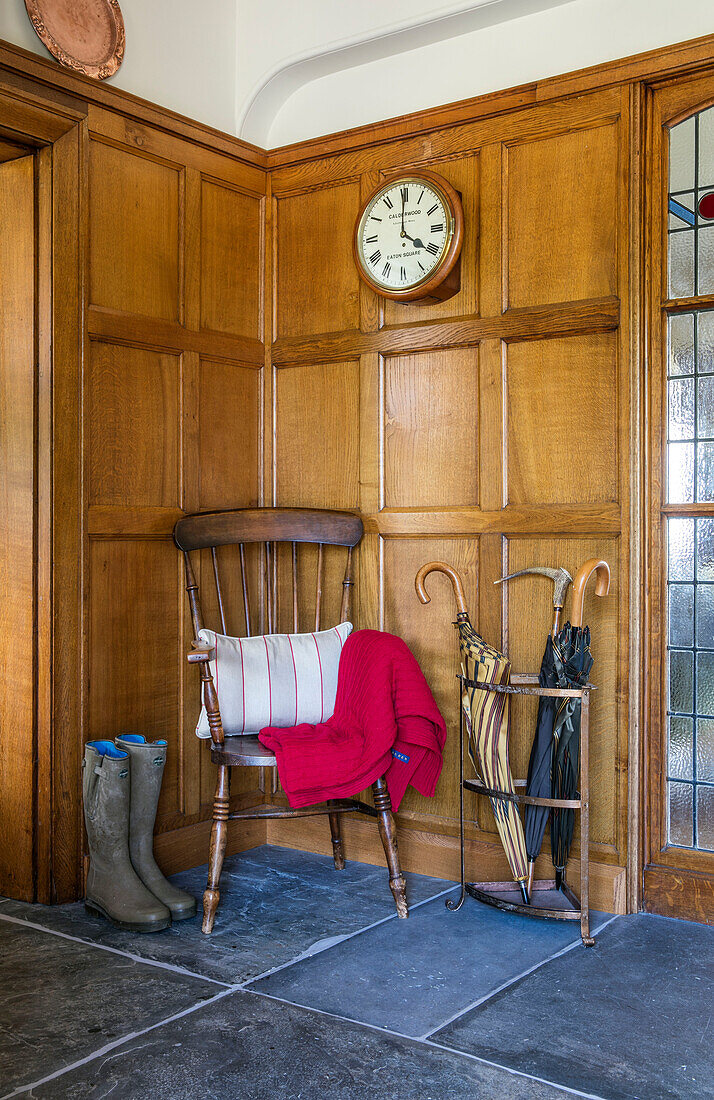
pixel 583 575
pixel 441 567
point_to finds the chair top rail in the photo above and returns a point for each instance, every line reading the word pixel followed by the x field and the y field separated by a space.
pixel 318 525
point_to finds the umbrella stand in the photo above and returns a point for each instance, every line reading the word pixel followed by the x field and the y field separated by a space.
pixel 504 895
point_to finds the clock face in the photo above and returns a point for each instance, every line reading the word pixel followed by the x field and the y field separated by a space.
pixel 404 234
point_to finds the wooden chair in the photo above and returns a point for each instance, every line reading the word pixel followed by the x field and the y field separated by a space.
pixel 270 528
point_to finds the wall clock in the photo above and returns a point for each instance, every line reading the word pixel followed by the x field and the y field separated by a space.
pixel 408 236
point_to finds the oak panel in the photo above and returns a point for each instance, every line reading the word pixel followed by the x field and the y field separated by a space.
pixel 429 632
pixel 230 260
pixel 17 531
pixel 431 429
pixel 135 646
pixel 317 282
pixel 229 412
pixel 317 435
pixel 463 175
pixel 134 245
pixel 562 216
pixel 562 421
pixel 134 430
pixel 530 612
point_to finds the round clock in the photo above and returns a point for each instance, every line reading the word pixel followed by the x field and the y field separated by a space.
pixel 408 238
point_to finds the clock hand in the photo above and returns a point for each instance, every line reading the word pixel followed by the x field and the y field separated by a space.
pixel 403 233
pixel 415 240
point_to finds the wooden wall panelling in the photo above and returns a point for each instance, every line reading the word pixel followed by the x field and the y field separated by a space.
pixel 316 280
pixel 173 406
pixel 18 733
pixel 562 414
pixel 561 221
pixel 135 260
pixel 431 430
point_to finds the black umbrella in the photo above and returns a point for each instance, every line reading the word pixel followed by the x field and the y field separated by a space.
pixel 572 662
pixel 538 783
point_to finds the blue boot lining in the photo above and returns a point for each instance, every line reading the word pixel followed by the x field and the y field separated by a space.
pixel 138 739
pixel 108 748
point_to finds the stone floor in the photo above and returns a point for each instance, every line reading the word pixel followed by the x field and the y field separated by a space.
pixel 311 988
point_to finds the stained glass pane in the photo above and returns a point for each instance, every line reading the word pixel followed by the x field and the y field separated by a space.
pixel 681 614
pixel 680 748
pixel 705 471
pixel 705 616
pixel 681 815
pixel 681 682
pixel 681 156
pixel 680 472
pixel 680 547
pixel 705 283
pixel 705 406
pixel 705 750
pixel 706 148
pixel 681 264
pixel 705 342
pixel 681 344
pixel 705 817
pixel 681 408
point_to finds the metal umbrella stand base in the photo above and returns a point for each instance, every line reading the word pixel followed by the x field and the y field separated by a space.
pixel 562 904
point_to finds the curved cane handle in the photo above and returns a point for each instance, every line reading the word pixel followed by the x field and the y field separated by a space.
pixel 441 567
pixel 583 575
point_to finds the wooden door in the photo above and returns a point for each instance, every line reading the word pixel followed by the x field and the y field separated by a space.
pixel 679 856
pixel 17 529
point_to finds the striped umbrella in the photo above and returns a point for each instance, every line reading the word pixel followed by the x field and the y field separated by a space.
pixel 488 720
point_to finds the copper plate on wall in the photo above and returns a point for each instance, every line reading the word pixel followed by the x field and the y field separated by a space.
pixel 84 35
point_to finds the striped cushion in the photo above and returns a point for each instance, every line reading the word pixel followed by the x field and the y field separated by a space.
pixel 273 679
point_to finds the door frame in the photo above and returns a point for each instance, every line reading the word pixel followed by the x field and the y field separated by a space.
pixel 676 881
pixel 53 124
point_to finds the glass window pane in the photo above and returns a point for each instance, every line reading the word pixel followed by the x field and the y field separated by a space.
pixel 705 817
pixel 705 549
pixel 705 342
pixel 680 394
pixel 681 815
pixel 681 264
pixel 681 745
pixel 705 471
pixel 680 549
pixel 680 472
pixel 681 682
pixel 681 614
pixel 706 148
pixel 681 155
pixel 705 616
pixel 705 405
pixel 681 344
pixel 705 750
pixel 705 684
pixel 705 283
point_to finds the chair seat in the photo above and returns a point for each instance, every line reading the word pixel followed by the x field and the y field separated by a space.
pixel 245 750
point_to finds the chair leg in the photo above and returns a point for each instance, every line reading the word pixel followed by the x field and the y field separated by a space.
pixel 219 836
pixel 388 833
pixel 337 852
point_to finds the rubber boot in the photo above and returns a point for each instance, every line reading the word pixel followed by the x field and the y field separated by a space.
pixel 114 890
pixel 147 771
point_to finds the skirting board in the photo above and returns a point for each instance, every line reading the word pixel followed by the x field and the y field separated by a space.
pixel 188 847
pixel 432 854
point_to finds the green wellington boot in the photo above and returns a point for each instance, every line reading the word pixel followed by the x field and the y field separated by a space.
pixel 114 890
pixel 147 770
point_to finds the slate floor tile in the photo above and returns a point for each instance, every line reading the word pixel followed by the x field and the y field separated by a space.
pixel 276 903
pixel 61 1000
pixel 411 976
pixel 245 1047
pixel 631 1017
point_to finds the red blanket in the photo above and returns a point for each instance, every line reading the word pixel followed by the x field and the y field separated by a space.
pixel 385 723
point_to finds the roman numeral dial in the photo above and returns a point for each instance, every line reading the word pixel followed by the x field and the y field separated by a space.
pixel 405 236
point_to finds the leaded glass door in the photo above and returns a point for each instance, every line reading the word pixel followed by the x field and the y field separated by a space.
pixel 679 857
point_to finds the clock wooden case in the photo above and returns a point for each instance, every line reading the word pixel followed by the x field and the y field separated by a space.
pixel 408 236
